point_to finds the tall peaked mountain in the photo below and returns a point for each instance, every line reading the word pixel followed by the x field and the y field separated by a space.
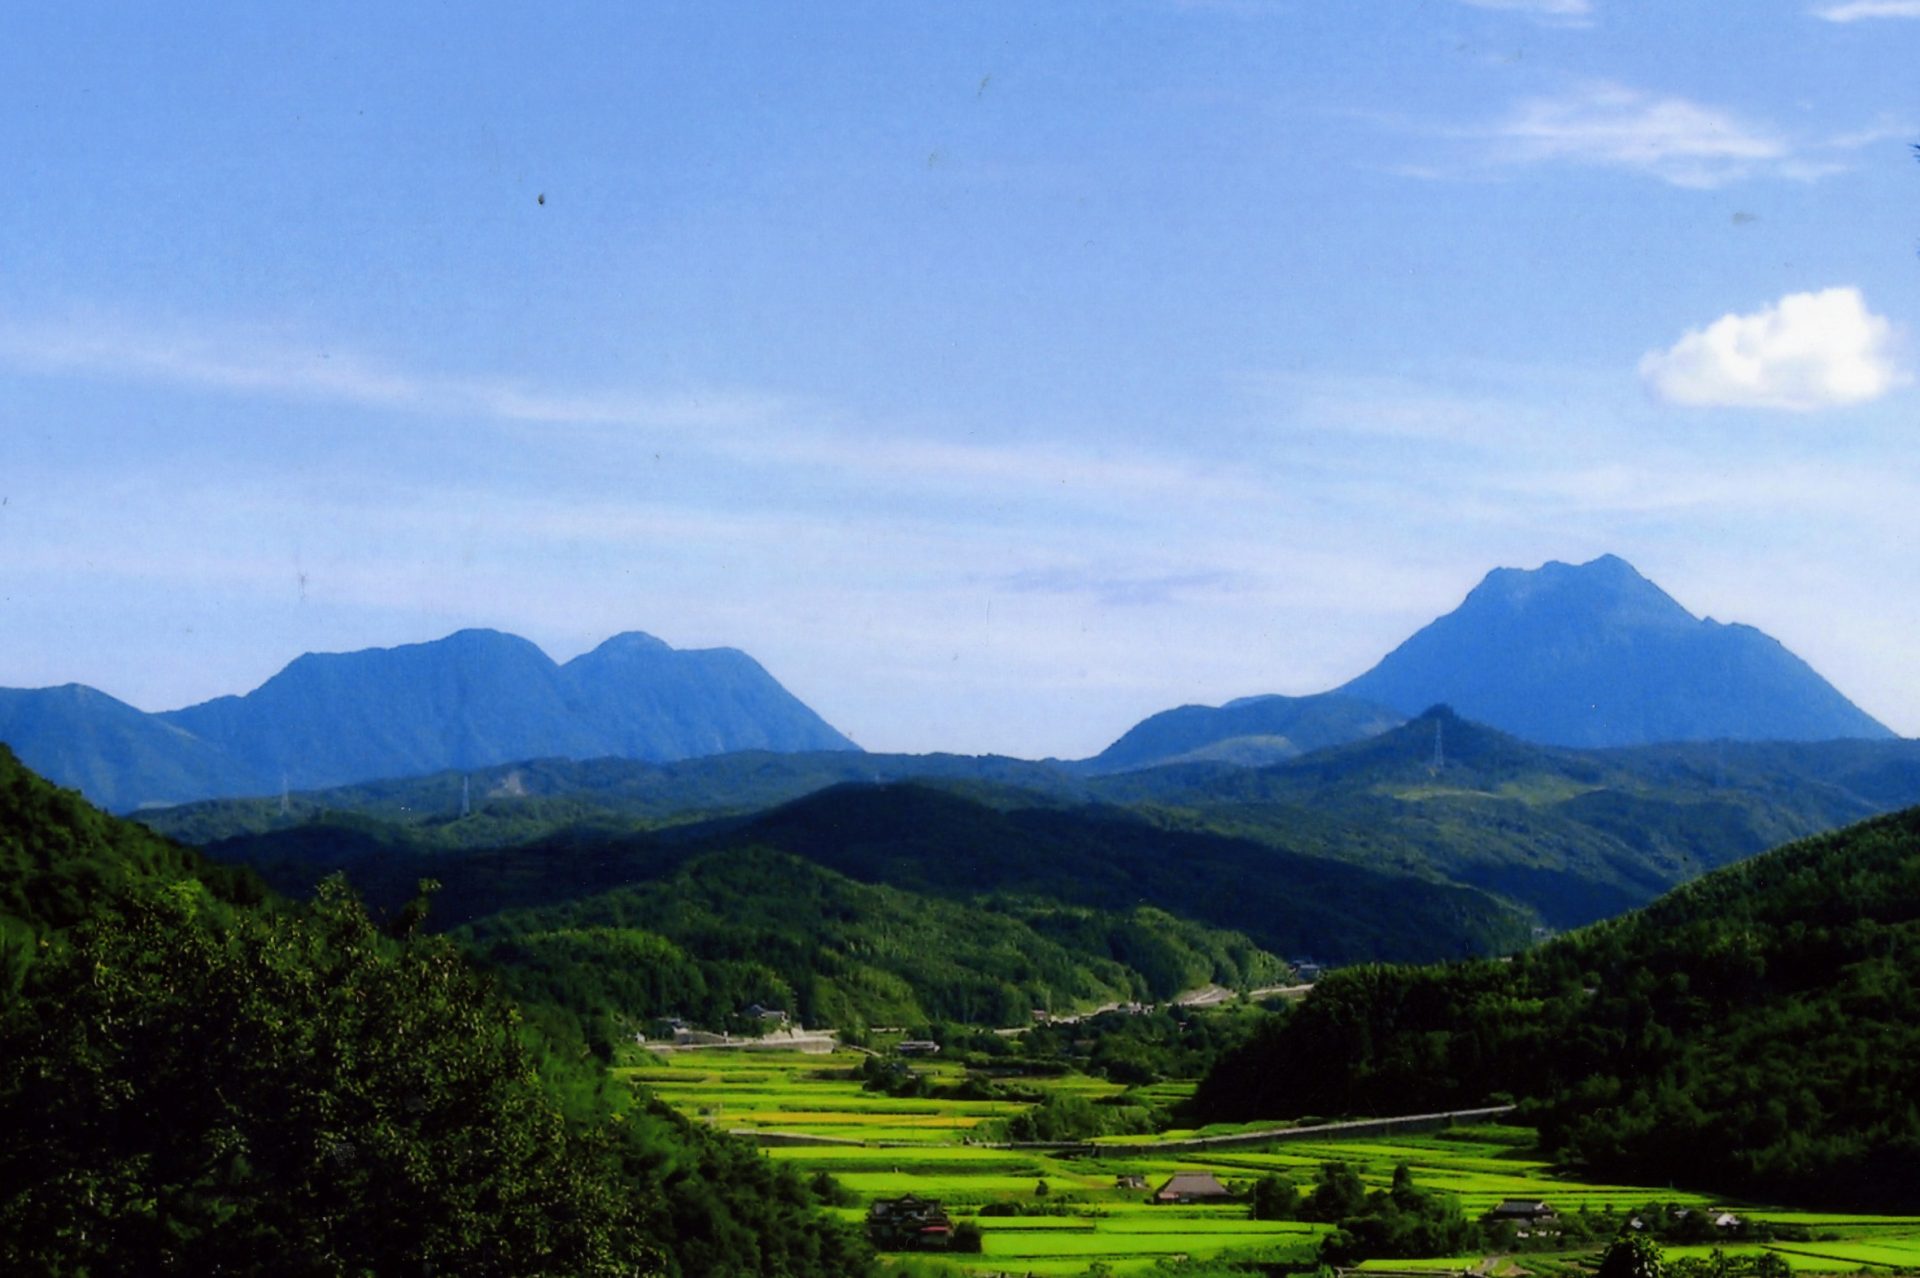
pixel 470 700
pixel 1596 655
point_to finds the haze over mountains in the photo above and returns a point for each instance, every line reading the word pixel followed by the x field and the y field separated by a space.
pixel 1591 655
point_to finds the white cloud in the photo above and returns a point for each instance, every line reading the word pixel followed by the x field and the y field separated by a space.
pixel 1807 351
pixel 1674 139
pixel 1855 10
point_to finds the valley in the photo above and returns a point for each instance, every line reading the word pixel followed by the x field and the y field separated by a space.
pixel 1348 981
pixel 812 1113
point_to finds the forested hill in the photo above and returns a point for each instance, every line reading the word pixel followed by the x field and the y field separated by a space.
pixel 738 928
pixel 1755 1032
pixel 1572 835
pixel 196 1078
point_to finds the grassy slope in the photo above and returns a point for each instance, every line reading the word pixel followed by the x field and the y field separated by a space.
pixel 1757 1030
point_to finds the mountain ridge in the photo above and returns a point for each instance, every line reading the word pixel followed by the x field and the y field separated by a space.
pixel 470 699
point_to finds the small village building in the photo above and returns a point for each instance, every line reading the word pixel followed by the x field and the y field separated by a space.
pixel 755 1012
pixel 1130 1182
pixel 1523 1212
pixel 1192 1187
pixel 909 1223
pixel 1530 1218
pixel 918 1047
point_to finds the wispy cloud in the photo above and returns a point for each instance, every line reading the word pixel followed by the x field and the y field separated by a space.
pixel 1859 10
pixel 1807 351
pixel 1613 126
pixel 1667 137
pixel 238 363
pixel 1572 13
pixel 1115 589
pixel 737 427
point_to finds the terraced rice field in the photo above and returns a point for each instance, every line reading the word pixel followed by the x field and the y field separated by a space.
pixel 811 1112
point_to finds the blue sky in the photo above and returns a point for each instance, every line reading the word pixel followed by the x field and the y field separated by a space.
pixel 995 374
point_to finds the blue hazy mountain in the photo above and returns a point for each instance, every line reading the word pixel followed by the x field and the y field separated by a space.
pixel 1251 732
pixel 1596 655
pixel 118 756
pixel 469 700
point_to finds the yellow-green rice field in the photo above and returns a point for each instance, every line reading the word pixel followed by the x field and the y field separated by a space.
pixel 810 1111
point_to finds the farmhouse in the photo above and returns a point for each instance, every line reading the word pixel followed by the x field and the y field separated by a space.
pixel 1529 1218
pixel 755 1012
pixel 1192 1187
pixel 1130 1182
pixel 918 1047
pixel 1522 1211
pixel 908 1223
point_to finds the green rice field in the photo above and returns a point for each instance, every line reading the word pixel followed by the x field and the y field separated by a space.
pixel 810 1111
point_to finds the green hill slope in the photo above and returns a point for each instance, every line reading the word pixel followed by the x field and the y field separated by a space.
pixel 198 1079
pixel 738 928
pixel 940 843
pixel 1571 835
pixel 1577 835
pixel 1756 1032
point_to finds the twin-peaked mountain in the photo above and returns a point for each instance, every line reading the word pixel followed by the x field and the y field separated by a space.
pixel 470 700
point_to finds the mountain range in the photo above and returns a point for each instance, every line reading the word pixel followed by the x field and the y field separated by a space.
pixel 474 698
pixel 1588 655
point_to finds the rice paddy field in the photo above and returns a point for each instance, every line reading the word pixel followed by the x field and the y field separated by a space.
pixel 812 1112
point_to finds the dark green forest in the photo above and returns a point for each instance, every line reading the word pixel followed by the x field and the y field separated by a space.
pixel 729 930
pixel 1557 836
pixel 197 1077
pixel 1755 1032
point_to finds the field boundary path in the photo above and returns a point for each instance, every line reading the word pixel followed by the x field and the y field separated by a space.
pixel 1266 1136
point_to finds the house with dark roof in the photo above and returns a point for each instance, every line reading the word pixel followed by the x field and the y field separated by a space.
pixel 1529 1217
pixel 1522 1211
pixel 1192 1187
pixel 909 1223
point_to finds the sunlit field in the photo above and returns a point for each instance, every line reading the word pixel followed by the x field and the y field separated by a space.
pixel 811 1112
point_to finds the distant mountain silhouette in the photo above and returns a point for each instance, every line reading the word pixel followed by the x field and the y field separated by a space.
pixel 1597 655
pixel 1252 732
pixel 116 755
pixel 470 700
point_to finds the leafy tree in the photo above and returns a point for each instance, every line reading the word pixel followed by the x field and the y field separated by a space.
pixel 1274 1198
pixel 290 1090
pixel 967 1238
pixel 1632 1255
pixel 1337 1194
